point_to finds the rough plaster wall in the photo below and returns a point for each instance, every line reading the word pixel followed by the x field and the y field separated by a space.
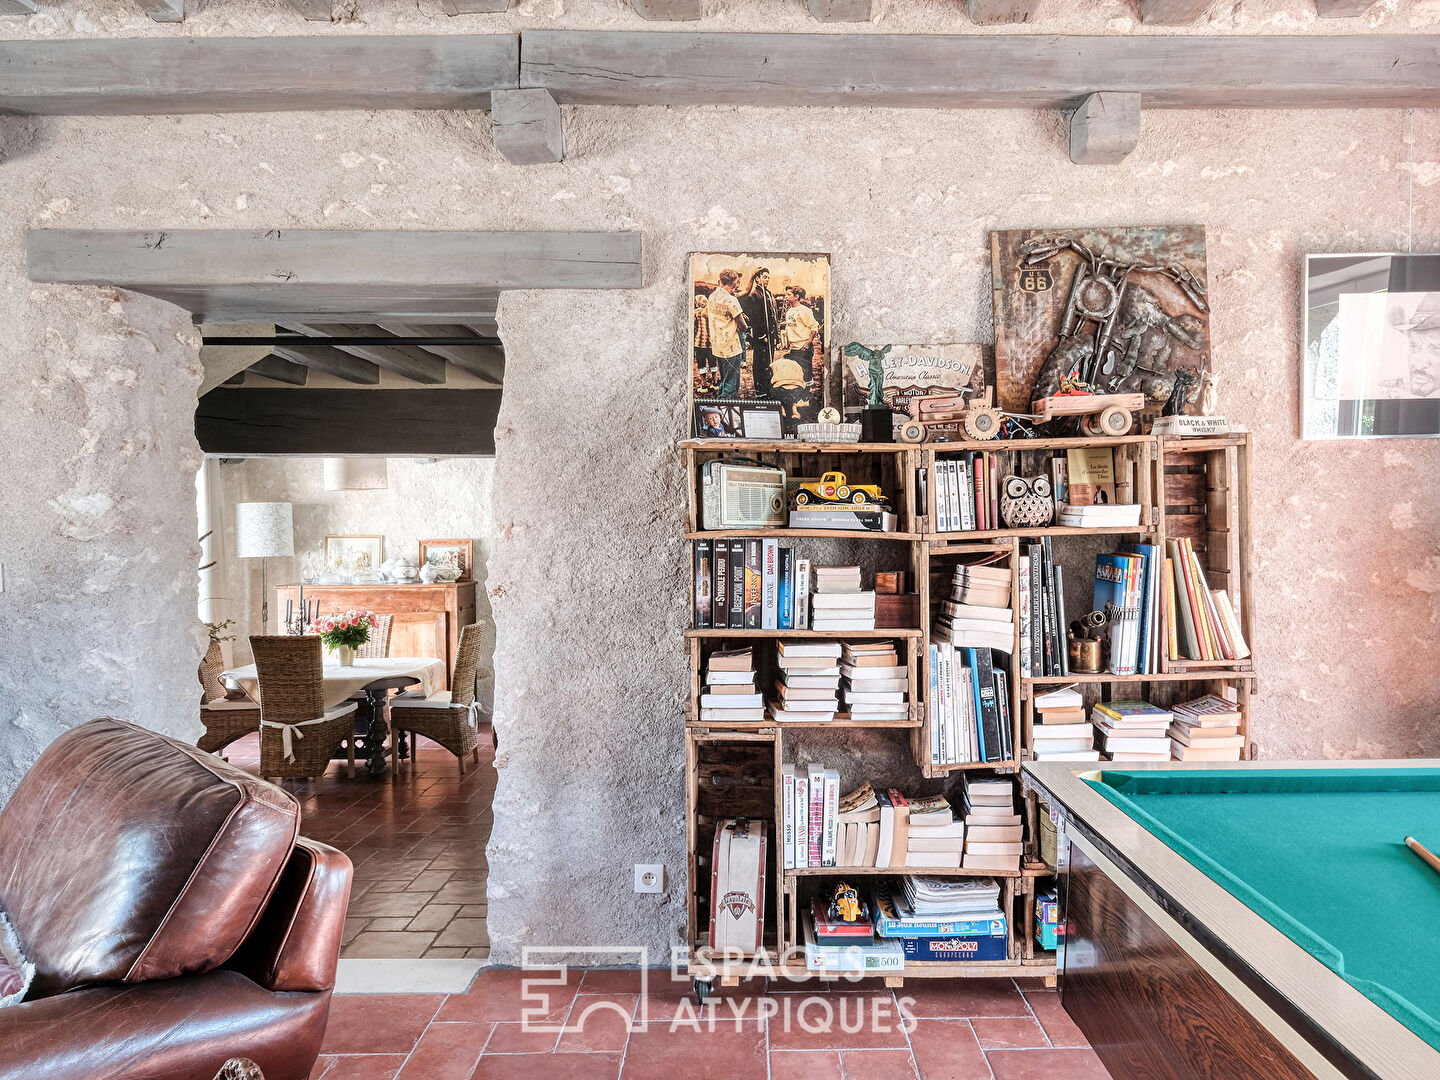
pixel 448 498
pixel 587 574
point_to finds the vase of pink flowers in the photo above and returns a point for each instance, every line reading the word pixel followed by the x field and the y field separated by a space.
pixel 342 634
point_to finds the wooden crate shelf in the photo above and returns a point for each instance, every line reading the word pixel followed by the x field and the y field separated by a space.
pixel 1186 487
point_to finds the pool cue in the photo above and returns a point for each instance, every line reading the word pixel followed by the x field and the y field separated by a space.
pixel 1424 853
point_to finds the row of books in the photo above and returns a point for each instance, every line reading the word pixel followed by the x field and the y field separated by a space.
pixel 750 584
pixel 881 828
pixel 815 681
pixel 1083 488
pixel 969 706
pixel 1206 729
pixel 1203 624
pixel 967 492
pixel 1043 648
pixel 1127 589
pixel 914 918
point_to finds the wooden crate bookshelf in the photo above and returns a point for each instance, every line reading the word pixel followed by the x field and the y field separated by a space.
pixel 1187 487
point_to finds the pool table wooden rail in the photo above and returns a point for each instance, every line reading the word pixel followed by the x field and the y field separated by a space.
pixel 1170 977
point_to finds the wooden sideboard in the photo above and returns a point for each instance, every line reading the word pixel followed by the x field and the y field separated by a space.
pixel 428 618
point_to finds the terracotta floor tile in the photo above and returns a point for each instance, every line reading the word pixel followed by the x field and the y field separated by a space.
pixel 361 1067
pixel 388 923
pixel 473 911
pixel 434 917
pixel 965 998
pixel 466 933
pixel 837 1021
pixel 505 994
pixel 598 1022
pixel 662 1054
pixel 1047 1065
pixel 429 880
pixel 805 1065
pixel 878 1065
pixel 461 892
pixel 378 1023
pixel 444 954
pixel 480 953
pixel 352 927
pixel 508 1038
pixel 549 1067
pixel 1009 1033
pixel 948 1050
pixel 1050 1011
pixel 629 981
pixel 446 1052
pixel 395 945
pixel 387 905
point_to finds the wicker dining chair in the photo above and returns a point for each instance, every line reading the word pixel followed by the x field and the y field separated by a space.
pixel 298 735
pixel 378 647
pixel 448 717
pixel 225 718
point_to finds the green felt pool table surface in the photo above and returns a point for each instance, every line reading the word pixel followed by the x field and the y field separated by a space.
pixel 1320 855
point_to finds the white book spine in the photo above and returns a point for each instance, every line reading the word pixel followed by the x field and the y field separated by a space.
pixel 1026 663
pixel 802 594
pixel 802 821
pixel 787 801
pixel 942 498
pixel 944 653
pixel 829 839
pixel 956 522
pixel 967 497
pixel 935 709
pixel 770 585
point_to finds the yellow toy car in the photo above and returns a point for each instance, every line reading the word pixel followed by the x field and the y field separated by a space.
pixel 833 488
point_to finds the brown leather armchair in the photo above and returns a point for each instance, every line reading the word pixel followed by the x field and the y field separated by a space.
pixel 174 915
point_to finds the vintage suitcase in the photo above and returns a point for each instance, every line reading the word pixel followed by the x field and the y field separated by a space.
pixel 737 886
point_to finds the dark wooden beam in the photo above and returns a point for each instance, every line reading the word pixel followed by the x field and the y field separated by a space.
pixel 112 76
pixel 281 370
pixel 235 275
pixel 526 126
pixel 667 10
pixel 163 10
pixel 17 7
pixel 840 10
pixel 332 362
pixel 1341 9
pixel 1105 128
pixel 242 421
pixel 994 12
pixel 473 7
pixel 1172 12
pixel 982 70
pixel 486 361
pixel 414 364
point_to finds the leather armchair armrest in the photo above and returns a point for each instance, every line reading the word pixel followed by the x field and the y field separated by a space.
pixel 296 943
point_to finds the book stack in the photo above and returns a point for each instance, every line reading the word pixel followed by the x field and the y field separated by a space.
pixel 1206 729
pixel 809 834
pixel 1110 515
pixel 1131 730
pixel 834 945
pixel 978 615
pixel 1086 496
pixel 750 584
pixel 967 493
pixel 1204 625
pixel 993 832
pixel 859 828
pixel 936 839
pixel 1127 589
pixel 838 602
pixel 969 706
pixel 1061 732
pixel 809 675
pixel 874 682
pixel 1043 651
pixel 942 918
pixel 729 694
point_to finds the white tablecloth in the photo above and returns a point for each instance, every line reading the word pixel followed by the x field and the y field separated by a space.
pixel 341 682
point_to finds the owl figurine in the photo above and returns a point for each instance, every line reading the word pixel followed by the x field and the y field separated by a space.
pixel 1025 503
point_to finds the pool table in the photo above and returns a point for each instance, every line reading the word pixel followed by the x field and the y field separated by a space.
pixel 1230 920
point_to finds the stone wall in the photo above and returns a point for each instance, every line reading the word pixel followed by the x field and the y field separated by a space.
pixel 424 499
pixel 587 574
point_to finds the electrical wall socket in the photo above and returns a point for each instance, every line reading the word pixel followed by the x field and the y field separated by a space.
pixel 650 877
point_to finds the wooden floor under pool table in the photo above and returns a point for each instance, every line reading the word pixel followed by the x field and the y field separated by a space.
pixel 1250 919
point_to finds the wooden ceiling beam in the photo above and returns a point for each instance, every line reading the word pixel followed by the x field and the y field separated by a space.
pixel 414 364
pixel 473 7
pixel 331 361
pixel 1104 129
pixel 17 7
pixel 981 70
pixel 250 421
pixel 281 370
pixel 841 10
pixel 1341 9
pixel 312 10
pixel 167 11
pixel 527 127
pixel 115 76
pixel 667 10
pixel 995 12
pixel 1172 12
pixel 486 361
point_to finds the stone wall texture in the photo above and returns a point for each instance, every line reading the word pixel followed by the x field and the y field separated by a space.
pixel 586 573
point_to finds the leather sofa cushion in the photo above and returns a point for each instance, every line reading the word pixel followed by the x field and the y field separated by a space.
pixel 15 970
pixel 127 856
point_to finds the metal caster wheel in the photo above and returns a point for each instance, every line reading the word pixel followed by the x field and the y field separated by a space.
pixel 703 988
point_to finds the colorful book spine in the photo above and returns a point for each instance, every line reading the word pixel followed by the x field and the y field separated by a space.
pixel 720 591
pixel 802 594
pixel 754 583
pixel 787 803
pixel 932 700
pixel 787 588
pixel 1026 669
pixel 816 833
pixel 737 584
pixel 802 820
pixel 966 502
pixel 769 585
pixel 829 838
pixel 704 553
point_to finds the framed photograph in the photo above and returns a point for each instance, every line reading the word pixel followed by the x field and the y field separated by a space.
pixel 1119 309
pixel 454 553
pixel 717 420
pixel 354 552
pixel 759 331
pixel 1372 346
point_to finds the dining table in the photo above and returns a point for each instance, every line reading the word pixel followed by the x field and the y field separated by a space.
pixel 376 678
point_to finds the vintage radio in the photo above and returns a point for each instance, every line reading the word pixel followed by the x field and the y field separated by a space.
pixel 741 496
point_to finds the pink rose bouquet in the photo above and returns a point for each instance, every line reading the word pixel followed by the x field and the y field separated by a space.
pixel 349 629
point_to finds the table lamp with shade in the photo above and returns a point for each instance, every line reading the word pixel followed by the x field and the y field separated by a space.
pixel 264 530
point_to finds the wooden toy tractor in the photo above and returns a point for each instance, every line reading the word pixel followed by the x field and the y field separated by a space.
pixel 1100 414
pixel 979 419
